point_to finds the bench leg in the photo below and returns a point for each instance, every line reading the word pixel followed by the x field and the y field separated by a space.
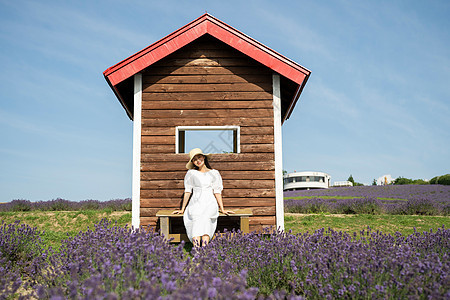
pixel 245 228
pixel 165 226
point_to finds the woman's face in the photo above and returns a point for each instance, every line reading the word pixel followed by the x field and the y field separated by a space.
pixel 198 160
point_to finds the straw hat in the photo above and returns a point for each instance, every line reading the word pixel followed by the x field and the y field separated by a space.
pixel 192 153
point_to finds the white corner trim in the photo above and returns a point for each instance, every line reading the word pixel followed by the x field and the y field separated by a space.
pixel 278 152
pixel 137 123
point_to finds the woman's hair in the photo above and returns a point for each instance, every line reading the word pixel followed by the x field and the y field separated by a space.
pixel 206 163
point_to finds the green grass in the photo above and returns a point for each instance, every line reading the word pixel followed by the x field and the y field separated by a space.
pixel 321 197
pixel 342 197
pixel 58 225
pixel 391 199
pixel 300 223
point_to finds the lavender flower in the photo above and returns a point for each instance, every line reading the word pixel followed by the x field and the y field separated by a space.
pixel 111 262
pixel 403 200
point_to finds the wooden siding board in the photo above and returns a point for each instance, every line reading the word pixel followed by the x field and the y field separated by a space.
pixel 263 220
pixel 219 165
pixel 158 131
pixel 257 139
pixel 228 202
pixel 203 79
pixel 230 184
pixel 161 149
pixel 193 96
pixel 233 174
pixel 249 130
pixel 207 62
pixel 242 71
pixel 158 140
pixel 237 157
pixel 257 148
pixel 149 221
pixel 211 104
pixel 233 193
pixel 203 113
pixel 240 121
pixel 256 210
pixel 205 87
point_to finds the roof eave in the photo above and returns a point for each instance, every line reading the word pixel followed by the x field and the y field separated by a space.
pixel 120 98
pixel 156 51
pixel 295 99
pixel 197 28
pixel 207 24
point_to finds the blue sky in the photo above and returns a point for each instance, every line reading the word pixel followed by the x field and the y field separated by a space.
pixel 377 101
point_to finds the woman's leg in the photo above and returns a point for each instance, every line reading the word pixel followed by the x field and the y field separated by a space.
pixel 205 240
pixel 196 241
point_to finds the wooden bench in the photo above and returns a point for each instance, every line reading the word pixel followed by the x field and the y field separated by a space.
pixel 165 215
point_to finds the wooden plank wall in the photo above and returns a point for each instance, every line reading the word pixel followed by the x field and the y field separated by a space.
pixel 207 83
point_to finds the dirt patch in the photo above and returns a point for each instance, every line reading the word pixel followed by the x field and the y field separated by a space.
pixel 81 217
pixel 113 214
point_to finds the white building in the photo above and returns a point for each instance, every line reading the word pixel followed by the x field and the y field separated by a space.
pixel 306 180
pixel 342 183
pixel 385 180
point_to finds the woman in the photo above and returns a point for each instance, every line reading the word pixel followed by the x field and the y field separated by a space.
pixel 205 184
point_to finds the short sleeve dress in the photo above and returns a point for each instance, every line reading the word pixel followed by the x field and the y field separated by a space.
pixel 202 211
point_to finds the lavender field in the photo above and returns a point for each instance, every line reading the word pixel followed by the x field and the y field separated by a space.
pixel 59 204
pixel 111 262
pixel 391 199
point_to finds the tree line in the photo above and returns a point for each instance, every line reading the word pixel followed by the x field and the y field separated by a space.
pixel 442 179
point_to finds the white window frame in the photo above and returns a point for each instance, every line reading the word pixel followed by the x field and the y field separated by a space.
pixel 226 127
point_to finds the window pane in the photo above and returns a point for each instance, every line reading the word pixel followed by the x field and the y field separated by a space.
pixel 210 141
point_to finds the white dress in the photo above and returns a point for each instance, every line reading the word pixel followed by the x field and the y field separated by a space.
pixel 202 211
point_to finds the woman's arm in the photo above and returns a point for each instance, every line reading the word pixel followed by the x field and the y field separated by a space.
pixel 220 202
pixel 183 206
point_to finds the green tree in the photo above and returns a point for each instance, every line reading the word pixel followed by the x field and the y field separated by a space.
pixel 354 183
pixel 443 179
pixel 374 182
pixel 351 179
pixel 401 180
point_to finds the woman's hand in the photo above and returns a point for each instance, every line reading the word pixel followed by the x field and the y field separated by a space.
pixel 227 212
pixel 178 212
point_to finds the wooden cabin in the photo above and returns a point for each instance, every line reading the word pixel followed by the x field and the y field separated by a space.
pixel 208 75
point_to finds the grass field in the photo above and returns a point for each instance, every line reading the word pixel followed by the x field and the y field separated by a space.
pixel 58 225
pixel 300 223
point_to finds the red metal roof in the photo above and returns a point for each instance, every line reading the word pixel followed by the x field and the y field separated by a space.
pixel 207 24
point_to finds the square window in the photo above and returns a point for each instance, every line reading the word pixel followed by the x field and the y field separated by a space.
pixel 211 139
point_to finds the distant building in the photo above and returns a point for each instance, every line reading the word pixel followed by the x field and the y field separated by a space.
pixel 385 180
pixel 342 183
pixel 306 180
